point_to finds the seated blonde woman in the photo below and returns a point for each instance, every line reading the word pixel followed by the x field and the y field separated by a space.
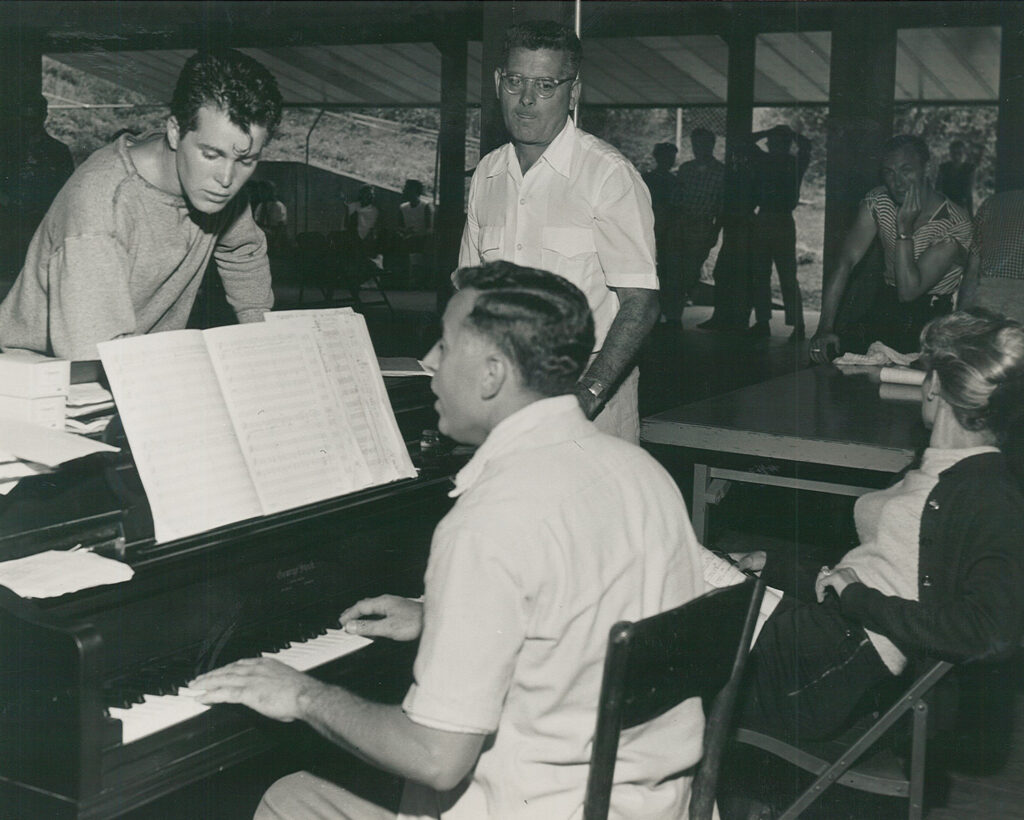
pixel 939 570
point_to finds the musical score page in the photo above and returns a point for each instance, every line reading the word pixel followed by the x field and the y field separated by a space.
pixel 181 435
pixel 349 358
pixel 299 448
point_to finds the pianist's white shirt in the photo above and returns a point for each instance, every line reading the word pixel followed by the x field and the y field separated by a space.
pixel 559 531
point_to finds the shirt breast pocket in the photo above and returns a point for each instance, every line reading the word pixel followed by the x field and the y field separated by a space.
pixel 491 243
pixel 567 250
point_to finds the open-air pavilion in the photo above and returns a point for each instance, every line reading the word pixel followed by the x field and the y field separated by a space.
pixel 859 59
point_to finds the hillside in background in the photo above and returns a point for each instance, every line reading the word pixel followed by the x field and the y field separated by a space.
pixel 386 146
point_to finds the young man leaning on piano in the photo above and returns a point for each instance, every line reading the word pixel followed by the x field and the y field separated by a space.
pixel 558 532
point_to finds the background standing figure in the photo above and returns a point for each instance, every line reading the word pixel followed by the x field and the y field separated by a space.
pixel 364 223
pixel 271 214
pixel 33 168
pixel 778 175
pixel 661 184
pixel 415 225
pixel 956 176
pixel 558 199
pixel 699 194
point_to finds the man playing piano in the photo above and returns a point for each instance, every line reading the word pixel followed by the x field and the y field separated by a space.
pixel 124 246
pixel 558 532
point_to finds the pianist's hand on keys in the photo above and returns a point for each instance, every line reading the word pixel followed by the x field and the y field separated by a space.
pixel 276 690
pixel 159 712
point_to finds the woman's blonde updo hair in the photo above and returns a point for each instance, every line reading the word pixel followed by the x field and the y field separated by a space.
pixel 979 358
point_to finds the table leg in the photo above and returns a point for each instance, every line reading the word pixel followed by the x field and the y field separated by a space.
pixel 698 514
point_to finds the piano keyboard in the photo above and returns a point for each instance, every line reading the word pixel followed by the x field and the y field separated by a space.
pixel 159 712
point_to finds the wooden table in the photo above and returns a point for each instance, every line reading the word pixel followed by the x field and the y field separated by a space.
pixel 816 416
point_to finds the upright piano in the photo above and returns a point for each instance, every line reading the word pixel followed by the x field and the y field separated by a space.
pixel 91 722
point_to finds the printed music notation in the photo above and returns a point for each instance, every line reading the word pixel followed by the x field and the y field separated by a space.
pixel 246 420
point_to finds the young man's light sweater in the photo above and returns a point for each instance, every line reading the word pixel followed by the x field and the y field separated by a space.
pixel 116 256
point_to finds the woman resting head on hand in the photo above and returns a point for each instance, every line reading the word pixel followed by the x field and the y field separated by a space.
pixel 938 572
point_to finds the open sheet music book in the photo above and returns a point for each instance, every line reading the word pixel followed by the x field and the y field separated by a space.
pixel 246 420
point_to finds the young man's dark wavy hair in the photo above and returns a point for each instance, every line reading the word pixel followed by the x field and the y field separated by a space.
pixel 540 321
pixel 232 81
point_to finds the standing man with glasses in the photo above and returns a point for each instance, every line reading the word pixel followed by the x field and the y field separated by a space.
pixel 559 199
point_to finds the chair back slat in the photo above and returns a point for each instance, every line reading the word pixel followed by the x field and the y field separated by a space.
pixel 656 663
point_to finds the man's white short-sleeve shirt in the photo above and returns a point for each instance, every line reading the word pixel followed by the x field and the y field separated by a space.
pixel 559 531
pixel 581 211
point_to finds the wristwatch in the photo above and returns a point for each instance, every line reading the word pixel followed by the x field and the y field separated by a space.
pixel 595 387
pixel 901 235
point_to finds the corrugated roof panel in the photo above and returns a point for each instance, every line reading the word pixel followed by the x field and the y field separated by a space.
pixel 791 69
pixel 705 59
pixel 946 64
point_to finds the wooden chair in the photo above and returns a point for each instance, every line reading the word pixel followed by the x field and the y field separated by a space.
pixel 844 760
pixel 699 648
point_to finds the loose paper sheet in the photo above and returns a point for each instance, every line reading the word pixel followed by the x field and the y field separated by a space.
pixel 720 573
pixel 57 572
pixel 29 442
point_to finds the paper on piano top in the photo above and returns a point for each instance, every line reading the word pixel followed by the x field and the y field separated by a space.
pixel 720 573
pixel 57 572
pixel 235 422
pixel 30 442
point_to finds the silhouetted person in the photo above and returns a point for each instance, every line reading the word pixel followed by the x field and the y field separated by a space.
pixel 699 203
pixel 956 176
pixel 733 265
pixel 415 224
pixel 661 182
pixel 778 175
pixel 271 214
pixel 364 223
pixel 33 168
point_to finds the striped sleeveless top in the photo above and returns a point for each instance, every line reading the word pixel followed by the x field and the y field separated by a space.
pixel 949 221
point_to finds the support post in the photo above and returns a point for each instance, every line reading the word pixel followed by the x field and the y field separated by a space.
pixel 862 85
pixel 452 165
pixel 1010 128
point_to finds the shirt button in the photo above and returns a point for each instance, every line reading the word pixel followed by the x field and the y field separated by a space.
pixel 926 581
pixel 519 247
pixel 522 201
pixel 933 503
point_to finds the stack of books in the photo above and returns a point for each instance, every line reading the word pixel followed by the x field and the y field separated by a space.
pixel 34 389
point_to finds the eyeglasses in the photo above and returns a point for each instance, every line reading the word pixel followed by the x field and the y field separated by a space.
pixel 544 86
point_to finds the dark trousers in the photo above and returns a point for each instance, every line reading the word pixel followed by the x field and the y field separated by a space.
pixel 809 671
pixel 775 242
pixel 897 324
pixel 697 236
pixel 732 272
pixel 666 238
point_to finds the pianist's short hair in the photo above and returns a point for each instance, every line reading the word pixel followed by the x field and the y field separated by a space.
pixel 540 321
pixel 231 80
pixel 544 34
